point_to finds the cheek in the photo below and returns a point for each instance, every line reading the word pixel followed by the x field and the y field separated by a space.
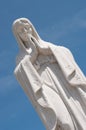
pixel 30 31
pixel 24 36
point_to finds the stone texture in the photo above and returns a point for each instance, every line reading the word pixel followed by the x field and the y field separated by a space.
pixel 51 79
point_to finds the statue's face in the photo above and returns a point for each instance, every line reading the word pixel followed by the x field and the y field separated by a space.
pixel 24 30
pixel 25 33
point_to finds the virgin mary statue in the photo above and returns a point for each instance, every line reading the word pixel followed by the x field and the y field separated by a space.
pixel 51 79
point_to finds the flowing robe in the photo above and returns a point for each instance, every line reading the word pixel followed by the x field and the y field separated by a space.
pixel 57 89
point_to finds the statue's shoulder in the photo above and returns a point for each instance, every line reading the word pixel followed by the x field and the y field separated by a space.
pixel 20 57
pixel 62 51
pixel 62 48
pixel 19 60
pixel 66 51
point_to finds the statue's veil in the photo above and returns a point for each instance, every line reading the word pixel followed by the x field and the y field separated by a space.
pixel 15 28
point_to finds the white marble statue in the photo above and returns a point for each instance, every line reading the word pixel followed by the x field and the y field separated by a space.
pixel 51 79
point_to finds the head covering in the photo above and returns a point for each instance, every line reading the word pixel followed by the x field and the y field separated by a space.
pixel 16 30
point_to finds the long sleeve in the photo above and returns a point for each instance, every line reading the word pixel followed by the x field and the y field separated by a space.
pixel 70 69
pixel 28 77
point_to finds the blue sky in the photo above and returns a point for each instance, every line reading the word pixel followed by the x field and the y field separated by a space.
pixel 62 22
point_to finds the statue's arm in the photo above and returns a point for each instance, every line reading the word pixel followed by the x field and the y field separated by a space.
pixel 32 85
pixel 79 76
pixel 27 76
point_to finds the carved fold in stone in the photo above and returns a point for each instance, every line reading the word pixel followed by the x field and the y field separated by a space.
pixel 51 79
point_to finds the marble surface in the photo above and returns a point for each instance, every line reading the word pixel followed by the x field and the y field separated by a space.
pixel 51 79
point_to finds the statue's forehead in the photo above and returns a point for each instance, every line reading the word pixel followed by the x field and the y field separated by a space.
pixel 21 25
pixel 25 21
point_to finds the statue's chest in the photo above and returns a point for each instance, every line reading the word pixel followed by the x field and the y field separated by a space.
pixel 43 60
